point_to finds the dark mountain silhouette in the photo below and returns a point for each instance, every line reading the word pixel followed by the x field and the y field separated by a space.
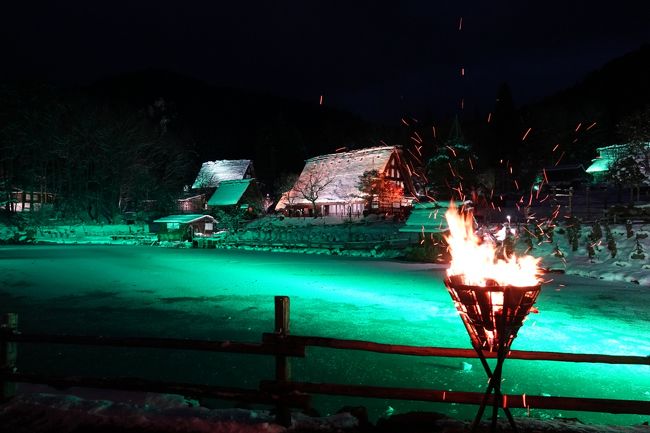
pixel 278 134
pixel 226 123
pixel 581 118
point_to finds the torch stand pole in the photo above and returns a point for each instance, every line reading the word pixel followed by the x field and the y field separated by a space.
pixel 494 384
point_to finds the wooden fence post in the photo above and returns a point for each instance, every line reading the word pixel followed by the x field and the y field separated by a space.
pixel 282 363
pixel 8 353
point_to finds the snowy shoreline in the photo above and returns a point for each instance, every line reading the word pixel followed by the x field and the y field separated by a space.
pixel 382 240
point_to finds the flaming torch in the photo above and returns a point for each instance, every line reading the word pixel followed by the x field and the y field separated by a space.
pixel 493 294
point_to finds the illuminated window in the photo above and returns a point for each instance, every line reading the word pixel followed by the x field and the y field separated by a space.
pixel 173 226
pixel 208 226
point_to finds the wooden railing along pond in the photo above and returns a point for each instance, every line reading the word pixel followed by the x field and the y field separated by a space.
pixel 281 391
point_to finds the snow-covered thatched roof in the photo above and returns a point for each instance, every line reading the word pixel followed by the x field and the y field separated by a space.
pixel 609 154
pixel 185 219
pixel 213 172
pixel 340 172
pixel 229 192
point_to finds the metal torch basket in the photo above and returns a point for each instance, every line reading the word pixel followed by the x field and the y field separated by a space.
pixel 492 316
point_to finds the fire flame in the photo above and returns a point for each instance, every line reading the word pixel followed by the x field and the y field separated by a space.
pixel 476 262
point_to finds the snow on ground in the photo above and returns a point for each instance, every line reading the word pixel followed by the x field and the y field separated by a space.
pixel 631 262
pixel 49 413
pixel 116 234
pixel 43 412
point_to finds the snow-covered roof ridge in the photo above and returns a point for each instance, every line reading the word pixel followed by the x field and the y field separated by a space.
pixel 213 172
pixel 379 151
pixel 340 173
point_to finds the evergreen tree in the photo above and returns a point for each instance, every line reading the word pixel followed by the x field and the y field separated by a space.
pixel 451 170
pixel 638 253
pixel 596 232
pixel 502 148
pixel 611 242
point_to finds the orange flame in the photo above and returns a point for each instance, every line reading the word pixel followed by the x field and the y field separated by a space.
pixel 477 262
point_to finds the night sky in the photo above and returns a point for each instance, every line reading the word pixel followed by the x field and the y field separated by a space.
pixel 377 60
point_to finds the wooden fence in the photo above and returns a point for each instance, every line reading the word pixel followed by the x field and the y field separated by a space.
pixel 284 393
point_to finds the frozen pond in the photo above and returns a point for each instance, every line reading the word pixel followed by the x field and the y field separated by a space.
pixel 228 294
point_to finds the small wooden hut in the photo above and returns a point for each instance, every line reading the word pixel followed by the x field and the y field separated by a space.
pixel 184 227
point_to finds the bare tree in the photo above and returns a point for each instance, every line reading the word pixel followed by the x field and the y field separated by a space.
pixel 284 188
pixel 310 185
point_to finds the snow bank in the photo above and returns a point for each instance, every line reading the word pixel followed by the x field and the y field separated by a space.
pixel 114 234
pixel 631 262
pixel 357 237
pixel 47 413
pixel 39 413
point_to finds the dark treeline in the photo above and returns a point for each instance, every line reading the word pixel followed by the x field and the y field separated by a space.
pixel 135 142
pixel 95 158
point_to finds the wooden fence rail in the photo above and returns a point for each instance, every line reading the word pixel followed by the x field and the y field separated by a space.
pixel 335 343
pixel 283 392
pixel 440 396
